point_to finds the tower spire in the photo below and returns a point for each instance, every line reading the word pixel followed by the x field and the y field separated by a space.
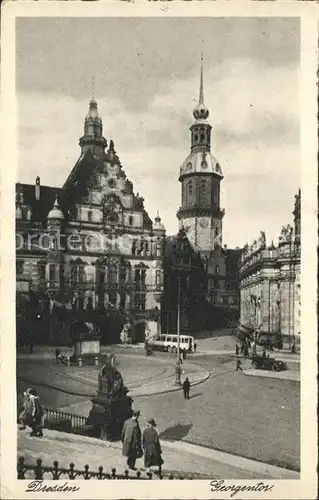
pixel 201 87
pixel 201 112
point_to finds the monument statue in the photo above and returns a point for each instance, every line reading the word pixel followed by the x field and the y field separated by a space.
pixel 110 380
pixel 111 407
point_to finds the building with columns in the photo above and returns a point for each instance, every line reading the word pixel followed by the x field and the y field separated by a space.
pixel 89 245
pixel 270 283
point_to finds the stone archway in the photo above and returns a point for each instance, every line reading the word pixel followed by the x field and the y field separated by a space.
pixel 143 329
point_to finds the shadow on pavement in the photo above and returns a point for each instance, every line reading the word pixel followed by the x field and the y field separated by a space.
pixel 178 431
pixel 196 395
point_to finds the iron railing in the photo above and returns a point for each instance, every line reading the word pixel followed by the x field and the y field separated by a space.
pixel 66 422
pixel 40 472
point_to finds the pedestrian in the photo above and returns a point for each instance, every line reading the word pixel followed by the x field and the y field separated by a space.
pixel 35 413
pixel 195 346
pixel 264 354
pixel 271 347
pixel 238 365
pixel 237 350
pixel 184 353
pixel 31 348
pixel 152 447
pixel 57 355
pixel 293 349
pixel 132 440
pixel 25 416
pixel 186 387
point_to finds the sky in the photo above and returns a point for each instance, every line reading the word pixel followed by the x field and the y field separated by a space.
pixel 146 81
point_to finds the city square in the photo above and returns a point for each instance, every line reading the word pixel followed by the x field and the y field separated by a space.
pixel 173 320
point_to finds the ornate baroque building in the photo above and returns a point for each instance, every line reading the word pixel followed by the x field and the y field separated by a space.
pixel 270 283
pixel 90 245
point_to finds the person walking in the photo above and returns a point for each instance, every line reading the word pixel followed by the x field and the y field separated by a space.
pixel 264 354
pixel 25 417
pixel 237 350
pixel 238 365
pixel 34 413
pixel 152 447
pixel 186 387
pixel 132 440
pixel 195 346
pixel 184 354
pixel 57 355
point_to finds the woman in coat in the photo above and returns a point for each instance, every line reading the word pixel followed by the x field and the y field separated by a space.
pixel 152 447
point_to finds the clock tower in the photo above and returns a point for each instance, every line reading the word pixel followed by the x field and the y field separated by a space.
pixel 200 175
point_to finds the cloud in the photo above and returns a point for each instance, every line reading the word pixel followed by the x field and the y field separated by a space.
pixel 254 114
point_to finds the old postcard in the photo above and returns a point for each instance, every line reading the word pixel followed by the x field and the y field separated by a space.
pixel 158 265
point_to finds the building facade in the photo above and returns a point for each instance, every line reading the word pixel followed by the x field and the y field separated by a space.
pixel 90 245
pixel 270 283
pixel 184 285
pixel 200 216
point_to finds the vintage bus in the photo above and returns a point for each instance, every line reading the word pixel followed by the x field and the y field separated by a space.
pixel 169 343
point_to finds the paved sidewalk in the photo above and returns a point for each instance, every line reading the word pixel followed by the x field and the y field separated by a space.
pixel 181 458
pixel 283 375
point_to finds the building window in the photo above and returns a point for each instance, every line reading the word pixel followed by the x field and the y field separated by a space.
pixel 217 269
pixel 189 191
pixel 203 187
pixel 52 273
pixel 19 267
pixel 134 248
pixel 112 297
pixel 158 278
pixel 90 215
pixel 41 270
pixel 77 274
pixel 24 213
pixel 158 249
pixel 112 275
pixel 140 278
pixel 130 220
pixel 140 301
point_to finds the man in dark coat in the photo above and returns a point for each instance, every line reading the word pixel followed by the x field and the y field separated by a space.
pixel 132 440
pixel 152 447
pixel 186 387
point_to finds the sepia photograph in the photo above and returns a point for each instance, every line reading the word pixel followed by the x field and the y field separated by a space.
pixel 158 202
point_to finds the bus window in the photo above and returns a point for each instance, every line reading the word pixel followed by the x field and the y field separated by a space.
pixel 158 338
pixel 168 338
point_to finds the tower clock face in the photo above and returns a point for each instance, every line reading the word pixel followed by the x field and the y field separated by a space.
pixel 203 222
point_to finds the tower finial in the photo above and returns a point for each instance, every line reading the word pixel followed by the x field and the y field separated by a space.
pixel 201 88
pixel 93 87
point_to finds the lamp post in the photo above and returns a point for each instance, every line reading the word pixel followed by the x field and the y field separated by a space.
pixel 178 360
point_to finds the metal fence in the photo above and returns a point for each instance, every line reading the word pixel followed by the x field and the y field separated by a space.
pixel 41 472
pixel 66 422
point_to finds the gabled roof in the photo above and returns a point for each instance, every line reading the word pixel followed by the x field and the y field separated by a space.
pixel 40 208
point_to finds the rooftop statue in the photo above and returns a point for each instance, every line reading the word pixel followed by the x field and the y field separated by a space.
pixel 262 240
pixel 286 234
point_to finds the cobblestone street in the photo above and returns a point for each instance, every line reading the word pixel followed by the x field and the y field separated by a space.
pixel 248 416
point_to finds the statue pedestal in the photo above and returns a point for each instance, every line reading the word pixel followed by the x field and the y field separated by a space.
pixel 107 416
pixel 87 348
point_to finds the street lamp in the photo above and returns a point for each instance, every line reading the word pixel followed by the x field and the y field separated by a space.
pixel 178 361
